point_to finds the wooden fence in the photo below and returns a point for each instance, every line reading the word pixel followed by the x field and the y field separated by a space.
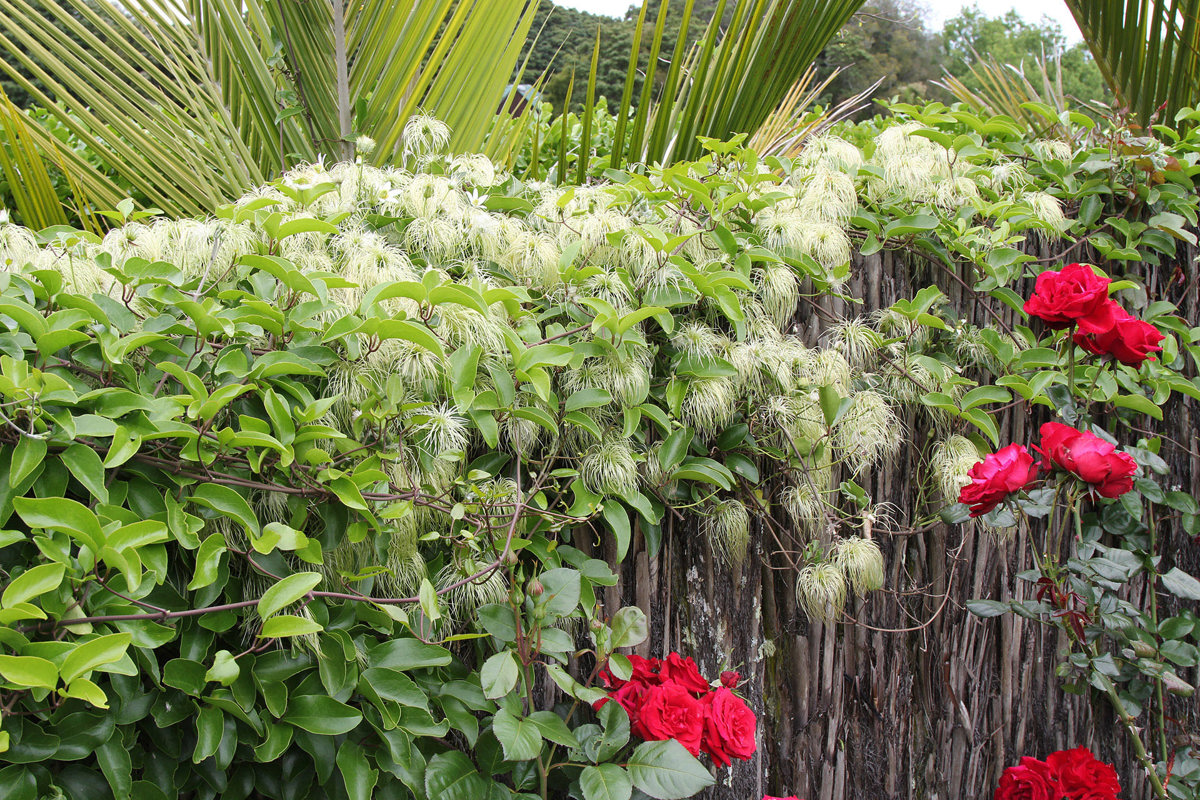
pixel 920 699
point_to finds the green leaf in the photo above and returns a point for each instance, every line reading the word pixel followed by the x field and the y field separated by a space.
pixel 94 653
pixel 61 514
pixel 408 654
pixel 27 455
pixel 499 675
pixel 1181 584
pixel 605 782
pixel 286 592
pixel 87 468
pixel 321 714
pixel 666 771
pixel 225 669
pixel 831 401
pixel 228 502
pixel 906 226
pixel 1139 403
pixel 31 583
pixel 520 738
pixel 629 627
pixel 988 608
pixel 356 772
pixel 117 765
pixel 29 671
pixel 286 625
pixel 124 446
pixel 452 776
pixel 553 729
pixel 587 398
pixel 617 517
pixel 208 561
pixel 674 448
pixel 562 591
pixel 410 332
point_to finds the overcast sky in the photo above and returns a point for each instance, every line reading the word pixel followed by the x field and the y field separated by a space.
pixel 939 10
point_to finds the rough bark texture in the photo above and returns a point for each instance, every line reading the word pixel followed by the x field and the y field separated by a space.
pixel 941 707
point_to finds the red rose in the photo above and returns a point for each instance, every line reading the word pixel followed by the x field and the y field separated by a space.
pixel 730 727
pixel 628 697
pixel 645 672
pixel 730 679
pixel 1030 780
pixel 1088 457
pixel 1129 340
pixel 1074 296
pixel 1055 437
pixel 773 797
pixel 669 711
pixel 996 477
pixel 684 672
pixel 1082 777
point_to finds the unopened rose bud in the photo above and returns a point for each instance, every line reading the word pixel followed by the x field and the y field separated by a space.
pixel 510 558
pixel 596 625
pixel 730 679
pixel 535 588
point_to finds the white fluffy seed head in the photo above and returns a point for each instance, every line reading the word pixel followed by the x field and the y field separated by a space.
pixel 857 341
pixel 1047 210
pixel 698 339
pixel 861 562
pixel 444 430
pixel 778 290
pixel 949 463
pixel 18 247
pixel 955 192
pixel 464 599
pixel 826 367
pixel 609 467
pixel 424 137
pixel 831 151
pixel 1052 150
pixel 805 506
pixel 829 195
pixel 726 523
pixel 473 170
pixel 821 591
pixel 869 430
pixel 709 404
pixel 828 245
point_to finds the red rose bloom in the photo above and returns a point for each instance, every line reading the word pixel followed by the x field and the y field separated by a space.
pixel 684 672
pixel 645 672
pixel 1082 777
pixel 1076 295
pixel 1030 780
pixel 773 797
pixel 1129 340
pixel 730 727
pixel 669 711
pixel 996 477
pixel 730 679
pixel 1088 457
pixel 629 697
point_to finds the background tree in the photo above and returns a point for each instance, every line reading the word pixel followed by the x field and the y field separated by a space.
pixel 1012 39
pixel 887 39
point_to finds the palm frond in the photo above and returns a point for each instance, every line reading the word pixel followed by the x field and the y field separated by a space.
pixel 194 102
pixel 1148 51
